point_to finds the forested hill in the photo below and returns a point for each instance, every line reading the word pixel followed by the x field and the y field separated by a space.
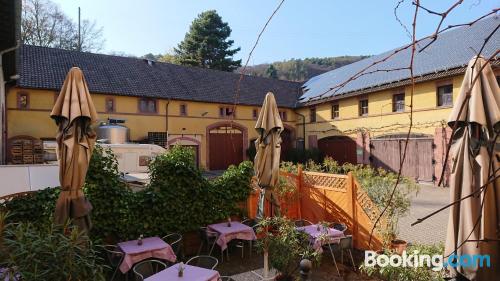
pixel 300 69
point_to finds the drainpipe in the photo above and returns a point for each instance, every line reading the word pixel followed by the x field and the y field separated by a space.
pixel 299 93
pixel 303 129
pixel 3 132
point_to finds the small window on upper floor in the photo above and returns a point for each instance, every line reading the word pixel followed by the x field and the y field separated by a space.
pixel 283 116
pixel 335 111
pixel 255 113
pixel 23 100
pixel 363 107
pixel 147 105
pixel 183 110
pixel 312 114
pixel 110 104
pixel 226 111
pixel 445 95
pixel 398 103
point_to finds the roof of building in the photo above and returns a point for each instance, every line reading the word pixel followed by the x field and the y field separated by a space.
pixel 46 68
pixel 452 49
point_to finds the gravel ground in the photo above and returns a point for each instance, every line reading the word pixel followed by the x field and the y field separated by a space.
pixel 433 230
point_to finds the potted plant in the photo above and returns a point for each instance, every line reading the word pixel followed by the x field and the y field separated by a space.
pixel 286 246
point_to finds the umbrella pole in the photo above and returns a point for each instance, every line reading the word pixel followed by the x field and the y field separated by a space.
pixel 271 207
pixel 266 264
pixel 266 250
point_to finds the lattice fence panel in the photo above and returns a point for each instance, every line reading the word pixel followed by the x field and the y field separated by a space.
pixel 327 181
pixel 371 210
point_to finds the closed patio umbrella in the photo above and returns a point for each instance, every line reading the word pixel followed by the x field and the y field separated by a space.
pixel 267 158
pixel 74 113
pixel 473 226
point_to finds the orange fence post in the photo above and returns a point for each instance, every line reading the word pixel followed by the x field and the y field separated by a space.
pixel 354 193
pixel 299 190
pixel 351 195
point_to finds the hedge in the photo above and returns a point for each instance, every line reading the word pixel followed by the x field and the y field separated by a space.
pixel 178 197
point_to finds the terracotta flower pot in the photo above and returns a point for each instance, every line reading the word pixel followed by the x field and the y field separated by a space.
pixel 398 246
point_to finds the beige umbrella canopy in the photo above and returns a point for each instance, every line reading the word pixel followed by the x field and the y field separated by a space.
pixel 267 158
pixel 74 113
pixel 473 227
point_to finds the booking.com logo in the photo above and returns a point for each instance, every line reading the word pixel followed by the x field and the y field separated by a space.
pixel 435 262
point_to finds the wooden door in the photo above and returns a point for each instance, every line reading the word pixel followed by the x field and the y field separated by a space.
pixel 226 148
pixel 387 154
pixel 425 152
pixel 341 149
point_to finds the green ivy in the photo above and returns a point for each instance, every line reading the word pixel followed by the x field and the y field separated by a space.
pixel 37 207
pixel 109 196
pixel 178 197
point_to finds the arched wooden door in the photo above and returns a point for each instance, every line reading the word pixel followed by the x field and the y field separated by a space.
pixel 225 147
pixel 341 149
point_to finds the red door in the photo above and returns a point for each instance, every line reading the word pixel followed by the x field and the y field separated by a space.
pixel 226 148
pixel 341 149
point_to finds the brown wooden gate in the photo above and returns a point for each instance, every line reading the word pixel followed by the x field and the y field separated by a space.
pixel 226 148
pixel 341 149
pixel 386 153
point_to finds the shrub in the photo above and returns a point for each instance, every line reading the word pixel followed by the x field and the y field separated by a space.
pixel 49 253
pixel 110 198
pixel 178 198
pixel 175 198
pixel 232 187
pixel 36 207
pixel 297 155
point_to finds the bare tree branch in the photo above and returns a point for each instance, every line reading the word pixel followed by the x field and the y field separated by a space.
pixel 44 24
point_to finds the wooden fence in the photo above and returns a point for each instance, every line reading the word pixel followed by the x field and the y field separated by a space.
pixel 328 197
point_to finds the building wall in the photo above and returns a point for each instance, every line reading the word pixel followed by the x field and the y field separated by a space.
pixel 381 120
pixel 428 119
pixel 35 120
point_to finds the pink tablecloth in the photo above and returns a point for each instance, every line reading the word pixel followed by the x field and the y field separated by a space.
pixel 152 247
pixel 191 273
pixel 8 276
pixel 322 236
pixel 237 230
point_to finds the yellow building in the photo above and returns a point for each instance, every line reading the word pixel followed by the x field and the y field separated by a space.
pixel 360 113
pixel 363 121
pixel 194 105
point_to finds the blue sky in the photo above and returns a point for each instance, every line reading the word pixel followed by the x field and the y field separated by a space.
pixel 312 28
